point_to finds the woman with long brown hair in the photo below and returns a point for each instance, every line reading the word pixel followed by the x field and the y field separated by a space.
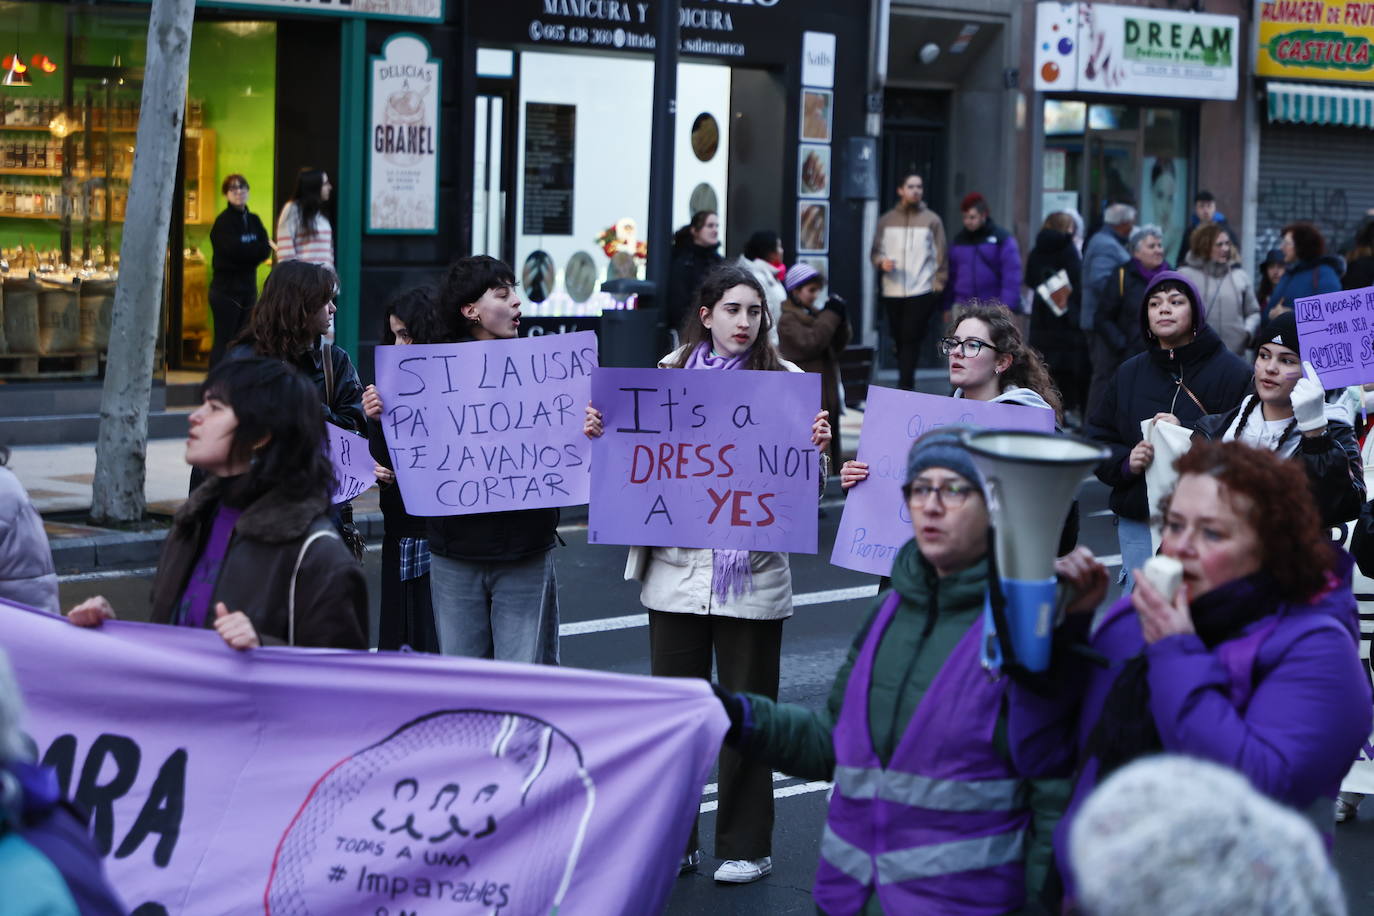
pixel 730 603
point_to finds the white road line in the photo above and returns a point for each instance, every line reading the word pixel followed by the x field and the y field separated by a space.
pixel 785 792
pixel 1100 513
pixel 712 788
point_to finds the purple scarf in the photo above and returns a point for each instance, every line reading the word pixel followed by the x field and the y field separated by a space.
pixel 730 570
pixel 1148 274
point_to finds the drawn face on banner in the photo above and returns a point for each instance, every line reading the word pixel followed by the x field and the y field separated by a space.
pixel 734 321
pixel 425 818
pixel 1277 370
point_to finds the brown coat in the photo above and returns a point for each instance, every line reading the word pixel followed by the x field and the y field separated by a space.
pixel 814 341
pixel 331 593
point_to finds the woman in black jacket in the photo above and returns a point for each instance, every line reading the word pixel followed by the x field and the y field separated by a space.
pixel 696 249
pixel 1118 305
pixel 253 553
pixel 1054 329
pixel 407 613
pixel 239 243
pixel 1185 373
pixel 1288 415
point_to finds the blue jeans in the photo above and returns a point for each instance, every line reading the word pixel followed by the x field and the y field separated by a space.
pixel 502 610
pixel 1136 548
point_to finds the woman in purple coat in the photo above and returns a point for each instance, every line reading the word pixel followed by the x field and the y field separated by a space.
pixel 1253 664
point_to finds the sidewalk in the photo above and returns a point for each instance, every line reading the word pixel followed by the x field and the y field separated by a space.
pixel 58 479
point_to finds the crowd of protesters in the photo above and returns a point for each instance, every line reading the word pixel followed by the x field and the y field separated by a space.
pixel 953 792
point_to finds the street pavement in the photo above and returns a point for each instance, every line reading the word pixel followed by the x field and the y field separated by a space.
pixel 832 603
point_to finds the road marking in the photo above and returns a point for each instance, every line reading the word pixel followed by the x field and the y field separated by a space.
pixel 785 792
pixel 633 621
pixel 1101 513
pixel 712 788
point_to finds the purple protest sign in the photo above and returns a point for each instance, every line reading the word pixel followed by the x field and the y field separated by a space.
pixel 298 781
pixel 488 426
pixel 354 469
pixel 1336 335
pixel 876 523
pixel 701 458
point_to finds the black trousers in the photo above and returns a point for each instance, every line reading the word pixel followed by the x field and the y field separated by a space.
pixel 231 307
pixel 747 654
pixel 907 321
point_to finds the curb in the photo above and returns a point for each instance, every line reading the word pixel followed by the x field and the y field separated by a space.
pixel 142 548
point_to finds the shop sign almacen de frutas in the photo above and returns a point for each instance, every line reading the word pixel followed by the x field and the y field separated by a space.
pixel 1316 39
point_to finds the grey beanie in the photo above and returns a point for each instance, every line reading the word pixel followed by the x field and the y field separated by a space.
pixel 1176 835
pixel 942 448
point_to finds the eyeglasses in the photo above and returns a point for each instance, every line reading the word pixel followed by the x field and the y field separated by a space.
pixel 951 495
pixel 237 187
pixel 968 348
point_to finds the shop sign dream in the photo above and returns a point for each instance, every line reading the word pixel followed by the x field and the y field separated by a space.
pixel 1178 43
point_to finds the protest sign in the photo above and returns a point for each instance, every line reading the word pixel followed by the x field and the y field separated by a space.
pixel 695 458
pixel 298 781
pixel 1336 335
pixel 876 522
pixel 354 469
pixel 488 426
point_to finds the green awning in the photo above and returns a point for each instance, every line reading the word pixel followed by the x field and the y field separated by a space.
pixel 1318 104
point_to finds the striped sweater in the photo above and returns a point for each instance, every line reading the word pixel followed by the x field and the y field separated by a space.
pixel 292 245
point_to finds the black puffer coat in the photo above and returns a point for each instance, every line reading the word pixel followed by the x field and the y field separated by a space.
pixel 1191 381
pixel 1335 470
pixel 1059 339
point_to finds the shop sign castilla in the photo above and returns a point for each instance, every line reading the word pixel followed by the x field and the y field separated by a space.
pixel 1316 39
pixel 403 172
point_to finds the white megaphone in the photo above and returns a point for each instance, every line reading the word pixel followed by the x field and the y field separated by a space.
pixel 1030 480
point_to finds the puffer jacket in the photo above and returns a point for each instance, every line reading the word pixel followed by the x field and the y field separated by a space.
pixel 1291 723
pixel 985 264
pixel 1227 298
pixel 1057 337
pixel 260 566
pixel 914 239
pixel 1162 381
pixel 678 579
pixel 933 616
pixel 1332 461
pixel 26 570
pixel 689 266
pixel 1306 278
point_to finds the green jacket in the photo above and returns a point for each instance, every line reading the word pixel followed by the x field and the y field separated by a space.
pixel 934 614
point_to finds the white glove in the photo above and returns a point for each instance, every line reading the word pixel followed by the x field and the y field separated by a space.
pixel 1309 401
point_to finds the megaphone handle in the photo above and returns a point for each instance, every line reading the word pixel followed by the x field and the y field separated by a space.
pixel 997 609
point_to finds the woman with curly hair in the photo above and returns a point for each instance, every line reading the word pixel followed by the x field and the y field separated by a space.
pixel 1252 664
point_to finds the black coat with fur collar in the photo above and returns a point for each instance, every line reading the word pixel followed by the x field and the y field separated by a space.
pixel 331 593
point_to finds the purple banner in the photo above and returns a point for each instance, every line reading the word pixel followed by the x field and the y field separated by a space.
pixel 488 426
pixel 702 458
pixel 875 522
pixel 354 469
pixel 297 781
pixel 1336 335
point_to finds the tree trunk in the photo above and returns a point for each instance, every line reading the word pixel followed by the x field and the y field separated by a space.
pixel 121 452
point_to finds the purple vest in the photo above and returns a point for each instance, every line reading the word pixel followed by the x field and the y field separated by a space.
pixel 943 828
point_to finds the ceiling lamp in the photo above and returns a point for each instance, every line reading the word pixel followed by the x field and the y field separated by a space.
pixel 16 73
pixel 44 63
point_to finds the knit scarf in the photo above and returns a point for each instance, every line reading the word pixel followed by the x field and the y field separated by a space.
pixel 1148 273
pixel 1126 729
pixel 730 570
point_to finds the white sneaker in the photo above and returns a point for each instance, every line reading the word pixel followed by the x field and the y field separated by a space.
pixel 742 871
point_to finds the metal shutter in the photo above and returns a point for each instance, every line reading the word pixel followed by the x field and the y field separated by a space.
pixel 1308 172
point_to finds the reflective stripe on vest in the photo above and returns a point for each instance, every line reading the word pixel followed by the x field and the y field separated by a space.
pixel 924 792
pixel 932 861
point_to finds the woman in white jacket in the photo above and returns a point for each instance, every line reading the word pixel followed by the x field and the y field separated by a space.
pixel 729 602
pixel 1228 298
pixel 762 257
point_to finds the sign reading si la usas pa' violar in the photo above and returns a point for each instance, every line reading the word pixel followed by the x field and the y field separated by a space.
pixel 709 28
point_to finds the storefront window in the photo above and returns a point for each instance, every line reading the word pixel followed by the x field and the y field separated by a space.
pixel 67 134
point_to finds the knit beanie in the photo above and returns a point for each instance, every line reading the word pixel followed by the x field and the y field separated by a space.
pixel 942 448
pixel 1282 330
pixel 798 275
pixel 1171 834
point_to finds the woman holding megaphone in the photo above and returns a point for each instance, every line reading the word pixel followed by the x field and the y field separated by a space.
pixel 1245 654
pixel 1289 416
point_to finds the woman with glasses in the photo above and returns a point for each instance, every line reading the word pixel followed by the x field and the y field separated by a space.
pixel 239 243
pixel 990 361
pixel 914 733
